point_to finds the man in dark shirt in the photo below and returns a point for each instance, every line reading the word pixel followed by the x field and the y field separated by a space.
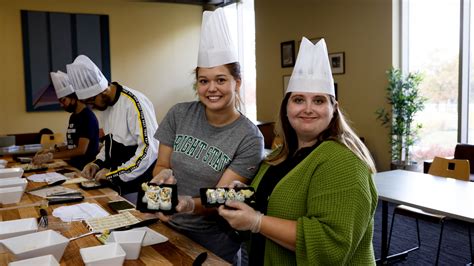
pixel 83 129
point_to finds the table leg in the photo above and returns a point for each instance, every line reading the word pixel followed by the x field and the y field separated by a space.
pixel 383 254
pixel 384 257
pixel 384 250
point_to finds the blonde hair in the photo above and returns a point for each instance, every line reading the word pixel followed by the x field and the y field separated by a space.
pixel 337 130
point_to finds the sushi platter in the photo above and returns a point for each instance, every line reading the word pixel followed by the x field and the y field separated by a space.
pixel 213 197
pixel 157 198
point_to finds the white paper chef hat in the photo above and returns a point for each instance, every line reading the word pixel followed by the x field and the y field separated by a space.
pixel 216 47
pixel 86 77
pixel 61 83
pixel 312 71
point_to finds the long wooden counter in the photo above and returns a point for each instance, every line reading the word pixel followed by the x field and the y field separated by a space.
pixel 178 250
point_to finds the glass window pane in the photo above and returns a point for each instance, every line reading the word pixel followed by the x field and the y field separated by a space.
pixel 241 20
pixel 470 134
pixel 434 51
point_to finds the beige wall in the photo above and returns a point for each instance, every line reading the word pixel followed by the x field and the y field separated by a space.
pixel 153 50
pixel 362 29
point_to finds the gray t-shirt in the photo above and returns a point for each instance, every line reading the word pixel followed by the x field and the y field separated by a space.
pixel 202 152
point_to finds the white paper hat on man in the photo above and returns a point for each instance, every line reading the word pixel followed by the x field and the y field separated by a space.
pixel 312 71
pixel 61 83
pixel 86 77
pixel 216 46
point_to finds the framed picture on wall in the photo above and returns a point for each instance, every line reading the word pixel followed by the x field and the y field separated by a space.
pixel 337 62
pixel 287 54
pixel 52 40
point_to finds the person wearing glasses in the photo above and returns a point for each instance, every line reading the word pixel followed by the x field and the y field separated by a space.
pixel 128 120
pixel 82 133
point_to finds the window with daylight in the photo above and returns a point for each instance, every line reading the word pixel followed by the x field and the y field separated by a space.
pixel 241 20
pixel 437 36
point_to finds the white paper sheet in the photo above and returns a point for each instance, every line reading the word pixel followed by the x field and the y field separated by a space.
pixel 79 212
pixel 49 177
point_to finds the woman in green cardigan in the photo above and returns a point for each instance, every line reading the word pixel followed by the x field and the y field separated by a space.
pixel 315 195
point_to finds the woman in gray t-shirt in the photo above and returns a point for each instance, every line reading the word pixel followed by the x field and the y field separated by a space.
pixel 208 143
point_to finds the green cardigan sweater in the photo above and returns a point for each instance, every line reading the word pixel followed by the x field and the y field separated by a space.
pixel 332 197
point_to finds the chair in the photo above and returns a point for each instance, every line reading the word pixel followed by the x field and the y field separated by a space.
pixel 461 151
pixel 49 140
pixel 267 129
pixel 466 152
pixel 450 168
pixel 454 168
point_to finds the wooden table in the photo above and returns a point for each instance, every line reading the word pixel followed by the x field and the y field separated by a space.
pixel 446 196
pixel 178 250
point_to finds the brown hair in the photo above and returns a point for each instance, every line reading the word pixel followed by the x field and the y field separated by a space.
pixel 337 130
pixel 234 70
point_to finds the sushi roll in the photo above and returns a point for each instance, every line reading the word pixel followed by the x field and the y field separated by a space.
pixel 231 194
pixel 247 193
pixel 165 193
pixel 153 204
pixel 221 195
pixel 153 193
pixel 211 196
pixel 239 196
pixel 165 204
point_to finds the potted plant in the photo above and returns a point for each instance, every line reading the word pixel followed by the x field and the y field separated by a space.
pixel 403 95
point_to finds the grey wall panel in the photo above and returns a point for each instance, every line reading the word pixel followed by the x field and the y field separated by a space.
pixel 88 37
pixel 61 39
pixel 39 53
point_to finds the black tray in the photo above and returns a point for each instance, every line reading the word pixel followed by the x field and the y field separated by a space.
pixel 120 205
pixel 214 197
pixel 60 200
pixel 144 206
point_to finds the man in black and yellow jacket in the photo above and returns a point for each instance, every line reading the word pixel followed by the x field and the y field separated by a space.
pixel 128 119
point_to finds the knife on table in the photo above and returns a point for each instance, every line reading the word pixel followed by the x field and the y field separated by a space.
pixel 55 183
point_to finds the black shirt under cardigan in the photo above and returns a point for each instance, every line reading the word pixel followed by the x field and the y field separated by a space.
pixel 265 188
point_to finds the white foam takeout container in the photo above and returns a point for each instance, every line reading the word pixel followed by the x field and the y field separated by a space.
pixel 151 237
pixel 10 195
pixel 37 244
pixel 110 254
pixel 13 182
pixel 11 172
pixel 46 260
pixel 131 242
pixel 16 228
